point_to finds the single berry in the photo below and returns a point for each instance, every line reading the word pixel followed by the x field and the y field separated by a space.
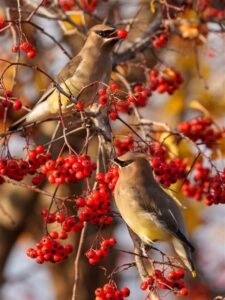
pixel 122 33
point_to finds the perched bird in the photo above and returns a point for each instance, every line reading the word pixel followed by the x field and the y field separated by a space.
pixel 92 64
pixel 149 211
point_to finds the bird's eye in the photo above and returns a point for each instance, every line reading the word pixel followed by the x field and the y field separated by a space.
pixel 102 33
pixel 105 33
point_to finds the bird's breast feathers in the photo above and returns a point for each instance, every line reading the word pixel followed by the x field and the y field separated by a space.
pixel 144 223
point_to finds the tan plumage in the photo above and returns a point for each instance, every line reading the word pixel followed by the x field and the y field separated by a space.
pixel 91 64
pixel 149 211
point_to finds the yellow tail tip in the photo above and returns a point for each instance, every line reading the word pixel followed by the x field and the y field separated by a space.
pixel 194 274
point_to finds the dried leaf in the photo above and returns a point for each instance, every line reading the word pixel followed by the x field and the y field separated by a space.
pixel 195 104
pixel 152 6
pixel 78 17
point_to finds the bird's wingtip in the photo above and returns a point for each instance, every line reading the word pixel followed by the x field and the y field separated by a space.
pixel 194 274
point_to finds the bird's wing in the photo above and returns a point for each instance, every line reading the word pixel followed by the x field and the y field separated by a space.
pixel 46 94
pixel 166 212
pixel 67 71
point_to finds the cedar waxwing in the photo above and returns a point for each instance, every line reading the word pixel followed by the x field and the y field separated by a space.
pixel 149 211
pixel 92 64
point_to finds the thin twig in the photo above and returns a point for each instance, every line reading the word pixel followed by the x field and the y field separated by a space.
pixel 76 264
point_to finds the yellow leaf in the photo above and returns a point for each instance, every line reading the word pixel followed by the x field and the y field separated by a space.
pixel 77 17
pixel 189 30
pixel 169 141
pixel 192 214
pixel 189 14
pixel 152 6
pixel 176 103
pixel 194 104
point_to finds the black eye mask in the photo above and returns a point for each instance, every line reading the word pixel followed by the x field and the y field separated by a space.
pixel 123 163
pixel 106 33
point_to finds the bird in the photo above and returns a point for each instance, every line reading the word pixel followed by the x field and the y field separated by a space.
pixel 91 65
pixel 147 209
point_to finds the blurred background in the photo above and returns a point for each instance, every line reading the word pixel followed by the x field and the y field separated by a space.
pixel 202 66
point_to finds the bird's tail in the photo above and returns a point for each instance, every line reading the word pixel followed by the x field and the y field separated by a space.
pixel 185 254
pixel 18 124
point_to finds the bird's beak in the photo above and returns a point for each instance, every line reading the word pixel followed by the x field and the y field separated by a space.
pixel 113 37
pixel 121 163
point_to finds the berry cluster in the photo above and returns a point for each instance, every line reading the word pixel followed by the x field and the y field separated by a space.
pixel 89 4
pixel 170 282
pixel 26 47
pixel 17 169
pixel 209 9
pixel 66 4
pixel 8 99
pixel 49 250
pixel 68 224
pixel 109 291
pixel 125 145
pixel 96 208
pixel 103 99
pixel 167 170
pixel 96 255
pixel 68 169
pixel 160 40
pixel 166 80
pixel 205 185
pixel 201 129
pixel 140 96
pixel 112 98
pixel 109 179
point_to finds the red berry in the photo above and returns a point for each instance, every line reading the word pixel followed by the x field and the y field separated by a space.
pixel 132 99
pixel 172 275
pixel 2 22
pixel 59 217
pixel 53 234
pixel 102 91
pixel 114 86
pixel 183 292
pixel 80 202
pixel 44 212
pixel 126 292
pixel 103 99
pixel 17 105
pixel 79 106
pixel 26 46
pixel 36 180
pixel 80 175
pixel 113 115
pixel 112 241
pixel 150 279
pixel 144 285
pixel 66 4
pixel 5 103
pixel 63 235
pixel 40 259
pixel 158 273
pixel 122 33
pixel 69 248
pixel 180 273
pixel 15 48
pixel 31 53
